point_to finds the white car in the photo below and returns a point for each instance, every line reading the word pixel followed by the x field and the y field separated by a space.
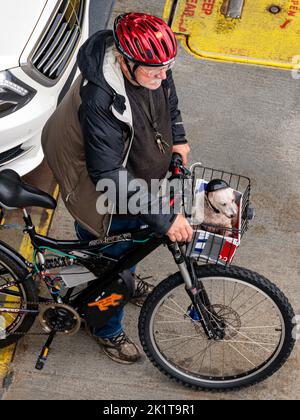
pixel 39 41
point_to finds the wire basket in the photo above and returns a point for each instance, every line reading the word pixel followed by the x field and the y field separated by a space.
pixel 215 243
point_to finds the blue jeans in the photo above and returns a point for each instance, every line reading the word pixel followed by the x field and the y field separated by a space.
pixel 119 225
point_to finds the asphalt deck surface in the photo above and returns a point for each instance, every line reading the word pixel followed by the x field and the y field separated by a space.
pixel 244 119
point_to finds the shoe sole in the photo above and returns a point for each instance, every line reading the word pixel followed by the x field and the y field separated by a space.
pixel 112 357
pixel 117 359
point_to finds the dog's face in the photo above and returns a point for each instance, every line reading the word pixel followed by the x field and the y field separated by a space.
pixel 225 201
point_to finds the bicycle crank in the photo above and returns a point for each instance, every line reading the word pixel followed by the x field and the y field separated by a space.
pixel 59 318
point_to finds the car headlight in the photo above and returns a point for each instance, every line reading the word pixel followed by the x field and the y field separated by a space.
pixel 14 94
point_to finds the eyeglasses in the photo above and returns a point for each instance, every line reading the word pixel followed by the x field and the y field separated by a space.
pixel 157 71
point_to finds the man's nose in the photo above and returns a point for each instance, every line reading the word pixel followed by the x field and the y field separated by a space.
pixel 162 75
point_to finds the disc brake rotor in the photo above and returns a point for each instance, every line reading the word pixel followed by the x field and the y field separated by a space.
pixel 224 315
pixel 230 318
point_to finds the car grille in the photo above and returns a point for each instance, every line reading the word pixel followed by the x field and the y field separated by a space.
pixel 57 44
pixel 10 154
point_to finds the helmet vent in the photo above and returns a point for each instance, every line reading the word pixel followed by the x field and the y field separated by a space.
pixel 171 38
pixel 143 27
pixel 154 48
pixel 152 27
pixel 136 41
pixel 129 47
pixel 165 47
pixel 149 54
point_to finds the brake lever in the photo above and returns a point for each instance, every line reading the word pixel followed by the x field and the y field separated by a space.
pixel 186 171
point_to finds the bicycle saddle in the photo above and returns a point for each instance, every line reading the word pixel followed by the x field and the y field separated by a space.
pixel 16 194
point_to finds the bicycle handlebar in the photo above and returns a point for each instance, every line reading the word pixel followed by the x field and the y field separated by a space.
pixel 176 167
pixel 176 164
pixel 176 160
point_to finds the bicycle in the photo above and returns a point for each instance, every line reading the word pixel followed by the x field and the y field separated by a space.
pixel 209 326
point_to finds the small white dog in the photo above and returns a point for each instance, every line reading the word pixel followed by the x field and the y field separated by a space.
pixel 216 206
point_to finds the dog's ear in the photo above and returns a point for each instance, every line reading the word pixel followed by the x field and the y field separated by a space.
pixel 213 196
pixel 237 197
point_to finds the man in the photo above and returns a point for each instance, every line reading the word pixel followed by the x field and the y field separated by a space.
pixel 125 125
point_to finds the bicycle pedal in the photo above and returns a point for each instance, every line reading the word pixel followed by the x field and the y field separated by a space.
pixel 40 363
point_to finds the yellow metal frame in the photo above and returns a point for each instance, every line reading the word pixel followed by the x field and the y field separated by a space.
pixel 258 37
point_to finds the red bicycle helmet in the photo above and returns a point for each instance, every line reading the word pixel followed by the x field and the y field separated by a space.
pixel 145 39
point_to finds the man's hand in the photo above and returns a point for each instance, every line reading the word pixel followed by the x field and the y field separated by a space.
pixel 180 230
pixel 183 150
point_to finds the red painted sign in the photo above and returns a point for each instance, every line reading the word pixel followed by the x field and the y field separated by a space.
pixel 294 7
pixel 208 6
pixel 227 252
pixel 189 11
pixel 292 12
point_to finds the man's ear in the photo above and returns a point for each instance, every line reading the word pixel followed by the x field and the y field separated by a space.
pixel 122 63
pixel 120 60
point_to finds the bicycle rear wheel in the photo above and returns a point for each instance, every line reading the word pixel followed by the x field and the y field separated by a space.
pixel 15 296
pixel 258 322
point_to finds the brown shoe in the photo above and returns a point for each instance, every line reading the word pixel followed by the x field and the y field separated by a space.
pixel 120 348
pixel 142 290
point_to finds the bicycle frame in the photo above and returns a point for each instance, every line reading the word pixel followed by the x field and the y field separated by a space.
pixel 88 253
pixel 148 242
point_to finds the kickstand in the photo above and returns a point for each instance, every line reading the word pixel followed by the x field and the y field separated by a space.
pixel 45 351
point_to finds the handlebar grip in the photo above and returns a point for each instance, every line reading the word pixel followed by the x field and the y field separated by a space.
pixel 176 160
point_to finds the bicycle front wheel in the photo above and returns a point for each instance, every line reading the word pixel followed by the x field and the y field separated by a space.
pixel 258 323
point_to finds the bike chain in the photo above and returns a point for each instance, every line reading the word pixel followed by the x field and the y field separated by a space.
pixel 38 304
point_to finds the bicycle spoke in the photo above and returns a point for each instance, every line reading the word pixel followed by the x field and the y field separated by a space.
pixel 255 306
pixel 176 321
pixel 185 318
pixel 235 349
pixel 204 353
pixel 182 309
pixel 179 337
pixel 173 345
pixel 238 295
pixel 232 297
pixel 250 339
pixel 251 343
pixel 176 312
pixel 261 326
pixel 257 316
pixel 198 355
pixel 246 301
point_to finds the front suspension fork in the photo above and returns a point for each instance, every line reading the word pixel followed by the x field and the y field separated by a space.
pixel 198 295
